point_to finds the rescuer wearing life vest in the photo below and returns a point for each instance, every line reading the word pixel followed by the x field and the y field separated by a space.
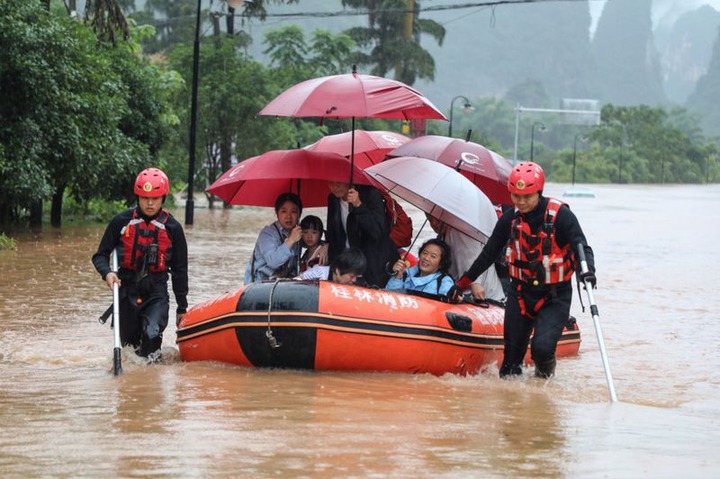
pixel 151 245
pixel 538 239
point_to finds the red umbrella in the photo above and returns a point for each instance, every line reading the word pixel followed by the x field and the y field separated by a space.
pixel 258 181
pixel 487 169
pixel 370 146
pixel 352 95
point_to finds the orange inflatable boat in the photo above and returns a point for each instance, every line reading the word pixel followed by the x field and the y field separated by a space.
pixel 329 326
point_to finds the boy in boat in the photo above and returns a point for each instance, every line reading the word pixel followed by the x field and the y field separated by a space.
pixel 347 268
pixel 151 244
pixel 430 275
pixel 539 237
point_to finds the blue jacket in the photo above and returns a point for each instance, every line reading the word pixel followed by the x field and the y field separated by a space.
pixel 425 284
pixel 271 254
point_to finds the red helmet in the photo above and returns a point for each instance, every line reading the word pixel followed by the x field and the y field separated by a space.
pixel 152 183
pixel 526 178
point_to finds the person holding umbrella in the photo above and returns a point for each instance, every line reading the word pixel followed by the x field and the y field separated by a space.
pixel 277 249
pixel 151 245
pixel 465 249
pixel 430 275
pixel 356 217
pixel 539 238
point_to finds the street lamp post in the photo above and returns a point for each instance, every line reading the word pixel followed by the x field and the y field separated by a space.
pixel 623 140
pixel 190 203
pixel 575 155
pixel 468 106
pixel 532 137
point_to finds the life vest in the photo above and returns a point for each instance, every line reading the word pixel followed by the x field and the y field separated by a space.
pixel 146 244
pixel 536 258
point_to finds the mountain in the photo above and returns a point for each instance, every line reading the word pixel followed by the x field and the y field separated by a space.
pixel 685 48
pixel 490 51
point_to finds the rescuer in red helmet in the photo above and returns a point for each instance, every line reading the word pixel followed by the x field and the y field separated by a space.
pixel 151 246
pixel 539 239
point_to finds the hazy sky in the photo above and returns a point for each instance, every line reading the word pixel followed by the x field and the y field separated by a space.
pixel 663 10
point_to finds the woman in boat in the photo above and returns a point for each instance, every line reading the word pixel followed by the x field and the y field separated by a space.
pixel 312 232
pixel 539 238
pixel 356 217
pixel 464 251
pixel 346 269
pixel 430 275
pixel 277 250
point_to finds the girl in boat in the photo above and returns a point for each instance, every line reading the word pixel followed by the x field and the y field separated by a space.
pixel 430 275
pixel 277 250
pixel 312 232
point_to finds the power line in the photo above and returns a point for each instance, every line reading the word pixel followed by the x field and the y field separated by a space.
pixel 435 8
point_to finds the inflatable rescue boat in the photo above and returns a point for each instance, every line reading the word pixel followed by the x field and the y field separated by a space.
pixel 322 325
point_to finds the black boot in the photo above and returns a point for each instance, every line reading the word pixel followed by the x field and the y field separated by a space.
pixel 546 369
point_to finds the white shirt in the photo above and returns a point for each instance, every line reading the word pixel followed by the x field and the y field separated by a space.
pixel 316 272
pixel 464 252
pixel 344 212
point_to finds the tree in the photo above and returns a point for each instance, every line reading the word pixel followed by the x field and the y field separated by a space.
pixel 392 39
pixel 107 19
pixel 175 19
pixel 232 90
pixel 72 122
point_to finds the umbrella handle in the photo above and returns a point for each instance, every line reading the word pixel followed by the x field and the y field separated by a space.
pixel 407 252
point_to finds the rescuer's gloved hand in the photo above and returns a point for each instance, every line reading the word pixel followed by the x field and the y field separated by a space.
pixel 455 292
pixel 589 277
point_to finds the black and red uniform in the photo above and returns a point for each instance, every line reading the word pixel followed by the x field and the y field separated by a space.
pixel 538 248
pixel 149 251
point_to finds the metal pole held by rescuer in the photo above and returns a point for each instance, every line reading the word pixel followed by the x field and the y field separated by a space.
pixel 117 358
pixel 596 321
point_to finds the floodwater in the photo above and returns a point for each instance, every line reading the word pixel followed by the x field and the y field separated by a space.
pixel 64 414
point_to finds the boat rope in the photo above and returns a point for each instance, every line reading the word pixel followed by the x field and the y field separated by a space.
pixel 269 333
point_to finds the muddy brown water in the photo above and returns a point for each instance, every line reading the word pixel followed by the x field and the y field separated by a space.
pixel 63 413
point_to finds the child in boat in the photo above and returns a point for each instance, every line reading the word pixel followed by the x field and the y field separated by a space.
pixel 312 232
pixel 347 267
pixel 430 275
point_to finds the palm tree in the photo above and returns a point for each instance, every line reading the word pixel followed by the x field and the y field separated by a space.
pixel 391 40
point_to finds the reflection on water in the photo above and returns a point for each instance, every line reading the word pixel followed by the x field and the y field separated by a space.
pixel 65 415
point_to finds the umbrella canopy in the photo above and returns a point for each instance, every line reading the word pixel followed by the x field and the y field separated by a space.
pixel 352 95
pixel 439 191
pixel 487 169
pixel 370 146
pixel 258 181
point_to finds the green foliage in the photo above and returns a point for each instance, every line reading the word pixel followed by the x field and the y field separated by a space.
pixel 95 210
pixel 74 112
pixel 387 43
pixel 231 91
pixel 7 243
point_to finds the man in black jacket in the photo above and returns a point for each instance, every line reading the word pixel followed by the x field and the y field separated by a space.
pixel 356 218
pixel 151 244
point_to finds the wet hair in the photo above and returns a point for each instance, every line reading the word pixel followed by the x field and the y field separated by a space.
pixel 312 222
pixel 350 260
pixel 446 259
pixel 291 197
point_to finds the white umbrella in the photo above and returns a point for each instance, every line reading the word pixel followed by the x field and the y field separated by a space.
pixel 439 191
